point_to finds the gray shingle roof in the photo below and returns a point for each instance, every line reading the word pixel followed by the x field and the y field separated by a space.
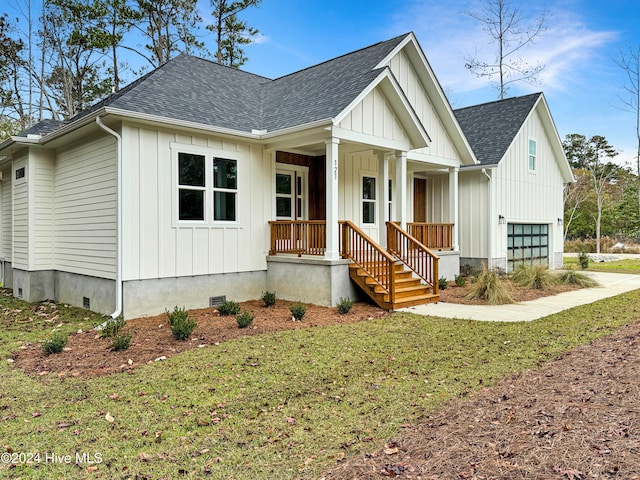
pixel 42 128
pixel 192 89
pixel 491 127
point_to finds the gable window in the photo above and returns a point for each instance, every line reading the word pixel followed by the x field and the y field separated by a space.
pixel 368 200
pixel 532 155
pixel 207 186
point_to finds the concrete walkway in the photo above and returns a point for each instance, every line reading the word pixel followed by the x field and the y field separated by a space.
pixel 611 284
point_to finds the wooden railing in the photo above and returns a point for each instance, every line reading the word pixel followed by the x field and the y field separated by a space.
pixel 413 254
pixel 368 255
pixel 301 237
pixel 436 236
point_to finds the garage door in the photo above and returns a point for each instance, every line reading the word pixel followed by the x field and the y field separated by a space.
pixel 527 244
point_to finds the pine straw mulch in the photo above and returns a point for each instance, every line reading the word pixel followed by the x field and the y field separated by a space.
pixel 576 418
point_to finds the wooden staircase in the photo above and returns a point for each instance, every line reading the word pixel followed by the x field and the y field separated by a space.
pixel 404 276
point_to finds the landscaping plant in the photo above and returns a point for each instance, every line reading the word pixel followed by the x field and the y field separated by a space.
pixel 244 319
pixel 442 283
pixel 461 280
pixel 297 310
pixel 269 299
pixel 344 305
pixel 181 324
pixel 572 277
pixel 55 344
pixel 537 277
pixel 112 327
pixel 490 287
pixel 583 260
pixel 229 308
pixel 121 342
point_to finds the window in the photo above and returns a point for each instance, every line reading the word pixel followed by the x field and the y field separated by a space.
pixel 368 200
pixel 207 188
pixel 20 173
pixel 390 205
pixel 532 155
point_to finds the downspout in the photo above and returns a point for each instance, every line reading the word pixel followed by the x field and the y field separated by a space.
pixel 489 221
pixel 118 310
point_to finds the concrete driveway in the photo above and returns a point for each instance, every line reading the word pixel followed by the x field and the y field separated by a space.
pixel 611 284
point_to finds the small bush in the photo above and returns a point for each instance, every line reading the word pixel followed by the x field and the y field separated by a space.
pixel 490 287
pixel 573 277
pixel 55 344
pixel 244 319
pixel 442 283
pixel 121 342
pixel 344 305
pixel 537 277
pixel 297 310
pixel 112 327
pixel 583 260
pixel 181 324
pixel 461 280
pixel 269 299
pixel 229 308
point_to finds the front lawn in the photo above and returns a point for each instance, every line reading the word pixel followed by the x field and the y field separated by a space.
pixel 628 265
pixel 275 406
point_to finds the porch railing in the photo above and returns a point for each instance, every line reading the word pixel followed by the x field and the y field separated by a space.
pixel 368 255
pixel 301 237
pixel 436 236
pixel 413 254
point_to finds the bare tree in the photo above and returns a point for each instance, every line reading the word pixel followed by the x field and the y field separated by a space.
pixel 574 196
pixel 630 63
pixel 504 25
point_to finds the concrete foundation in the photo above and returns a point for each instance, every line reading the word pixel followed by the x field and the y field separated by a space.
pixel 154 296
pixel 310 280
pixel 448 264
pixel 7 274
pixel 73 288
pixel 34 286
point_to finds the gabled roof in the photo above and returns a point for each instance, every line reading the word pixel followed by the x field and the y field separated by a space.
pixel 491 127
pixel 42 128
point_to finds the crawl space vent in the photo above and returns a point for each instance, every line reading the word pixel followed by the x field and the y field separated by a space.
pixel 215 301
pixel 86 303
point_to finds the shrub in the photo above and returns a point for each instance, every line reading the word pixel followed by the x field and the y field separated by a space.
pixel 442 283
pixel 573 277
pixel 344 305
pixel 461 280
pixel 583 260
pixel 181 324
pixel 537 277
pixel 297 310
pixel 55 344
pixel 490 287
pixel 121 342
pixel 112 327
pixel 467 270
pixel 269 299
pixel 244 319
pixel 229 308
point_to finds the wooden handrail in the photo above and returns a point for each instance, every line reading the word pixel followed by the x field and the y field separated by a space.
pixel 413 254
pixel 368 255
pixel 300 237
pixel 437 236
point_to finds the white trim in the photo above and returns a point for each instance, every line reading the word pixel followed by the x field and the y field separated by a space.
pixel 535 155
pixel 298 171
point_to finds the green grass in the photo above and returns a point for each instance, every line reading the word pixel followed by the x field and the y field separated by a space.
pixel 619 266
pixel 277 406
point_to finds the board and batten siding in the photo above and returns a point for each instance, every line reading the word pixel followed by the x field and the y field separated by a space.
pixel 156 244
pixel 41 163
pixel 374 116
pixel 20 227
pixel 525 196
pixel 473 191
pixel 85 206
pixel 6 212
pixel 441 144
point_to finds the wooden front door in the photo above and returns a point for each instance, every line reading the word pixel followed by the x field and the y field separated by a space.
pixel 419 200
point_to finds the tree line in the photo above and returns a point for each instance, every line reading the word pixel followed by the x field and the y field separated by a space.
pixel 59 56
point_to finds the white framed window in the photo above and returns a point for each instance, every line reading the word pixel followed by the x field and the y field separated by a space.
pixel 368 199
pixel 206 186
pixel 533 155
pixel 390 202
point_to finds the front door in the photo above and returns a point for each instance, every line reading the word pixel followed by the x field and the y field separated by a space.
pixel 291 192
pixel 419 200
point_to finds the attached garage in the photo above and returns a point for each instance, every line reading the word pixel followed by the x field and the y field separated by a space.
pixel 527 244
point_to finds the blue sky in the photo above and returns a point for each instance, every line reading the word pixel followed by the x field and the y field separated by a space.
pixel 582 83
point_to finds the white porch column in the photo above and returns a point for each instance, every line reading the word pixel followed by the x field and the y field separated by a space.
pixel 331 165
pixel 453 205
pixel 401 189
pixel 383 195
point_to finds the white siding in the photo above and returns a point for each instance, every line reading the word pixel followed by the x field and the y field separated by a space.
pixel 374 116
pixel 524 196
pixel 20 228
pixel 6 214
pixel 41 163
pixel 473 214
pixel 155 244
pixel 85 208
pixel 441 144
